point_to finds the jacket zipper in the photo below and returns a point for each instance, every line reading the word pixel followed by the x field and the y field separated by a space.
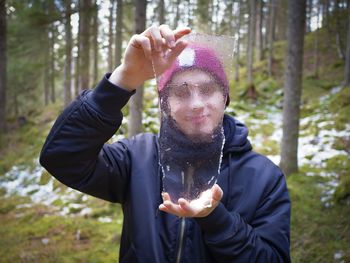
pixel 182 232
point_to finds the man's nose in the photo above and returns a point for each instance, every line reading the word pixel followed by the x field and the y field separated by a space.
pixel 196 101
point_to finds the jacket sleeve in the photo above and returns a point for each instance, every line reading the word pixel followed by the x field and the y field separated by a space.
pixel 75 152
pixel 265 239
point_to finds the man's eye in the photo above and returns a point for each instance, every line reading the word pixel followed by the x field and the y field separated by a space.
pixel 207 90
pixel 181 92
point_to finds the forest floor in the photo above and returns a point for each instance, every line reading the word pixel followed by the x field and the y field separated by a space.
pixel 44 221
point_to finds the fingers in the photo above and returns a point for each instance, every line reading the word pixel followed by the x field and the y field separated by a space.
pixel 163 35
pixel 179 47
pixel 182 209
pixel 168 35
pixel 156 37
pixel 171 208
pixel 165 196
pixel 185 205
pixel 181 31
pixel 217 193
pixel 200 207
pixel 172 36
pixel 143 42
pixel 168 205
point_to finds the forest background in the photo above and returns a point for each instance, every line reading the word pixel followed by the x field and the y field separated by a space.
pixel 289 84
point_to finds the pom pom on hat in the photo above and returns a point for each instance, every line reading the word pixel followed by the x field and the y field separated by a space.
pixel 197 57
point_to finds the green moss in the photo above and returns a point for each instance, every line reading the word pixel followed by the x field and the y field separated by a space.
pixel 106 209
pixel 342 193
pixel 341 144
pixel 314 88
pixel 23 144
pixel 58 203
pixel 340 107
pixel 340 100
pixel 45 178
pixel 343 118
pixel 340 165
pixel 316 232
pixel 9 204
pixel 77 239
pixel 270 147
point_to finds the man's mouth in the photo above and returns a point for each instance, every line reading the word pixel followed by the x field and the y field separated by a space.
pixel 198 119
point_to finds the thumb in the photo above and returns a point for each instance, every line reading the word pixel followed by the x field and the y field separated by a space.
pixel 217 193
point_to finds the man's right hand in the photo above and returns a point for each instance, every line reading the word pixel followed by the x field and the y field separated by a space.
pixel 151 44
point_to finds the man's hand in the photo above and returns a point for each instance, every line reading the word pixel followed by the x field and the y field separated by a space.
pixel 153 43
pixel 200 207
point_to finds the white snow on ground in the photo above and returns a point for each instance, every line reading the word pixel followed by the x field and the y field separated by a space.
pixel 105 219
pixel 339 256
pixel 20 180
pixel 23 181
pixel 312 149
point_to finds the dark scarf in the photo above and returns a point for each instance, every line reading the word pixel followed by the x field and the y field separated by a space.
pixel 182 158
pixel 176 147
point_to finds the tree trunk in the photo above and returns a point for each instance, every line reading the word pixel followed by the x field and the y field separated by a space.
pixel 119 34
pixel 110 35
pixel 190 14
pixel 46 77
pixel 85 45
pixel 3 65
pixel 216 9
pixel 15 103
pixel 316 44
pixel 177 14
pixel 338 39
pixel 52 65
pixel 46 73
pixel 347 57
pixel 325 13
pixel 326 21
pixel 77 59
pixel 68 61
pixel 228 26
pixel 161 18
pixel 271 39
pixel 95 45
pixel 251 34
pixel 281 19
pixel 202 13
pixel 309 15
pixel 259 35
pixel 135 105
pixel 293 85
pixel 238 43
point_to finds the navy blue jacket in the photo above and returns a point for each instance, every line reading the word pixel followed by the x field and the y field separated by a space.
pixel 251 224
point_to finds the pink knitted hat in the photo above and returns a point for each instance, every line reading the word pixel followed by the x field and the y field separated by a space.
pixel 197 57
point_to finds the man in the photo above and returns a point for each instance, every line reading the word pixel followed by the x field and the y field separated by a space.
pixel 248 216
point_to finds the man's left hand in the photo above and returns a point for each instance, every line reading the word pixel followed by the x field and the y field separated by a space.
pixel 201 207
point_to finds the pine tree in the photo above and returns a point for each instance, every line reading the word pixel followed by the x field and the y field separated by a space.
pixel 347 57
pixel 119 33
pixel 292 85
pixel 135 105
pixel 3 65
pixel 68 61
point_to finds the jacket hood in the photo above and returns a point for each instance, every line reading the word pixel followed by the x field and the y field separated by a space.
pixel 236 136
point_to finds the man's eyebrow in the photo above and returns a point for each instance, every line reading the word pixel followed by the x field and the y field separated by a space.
pixel 185 83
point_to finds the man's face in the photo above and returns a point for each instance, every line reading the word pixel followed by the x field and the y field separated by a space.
pixel 196 103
